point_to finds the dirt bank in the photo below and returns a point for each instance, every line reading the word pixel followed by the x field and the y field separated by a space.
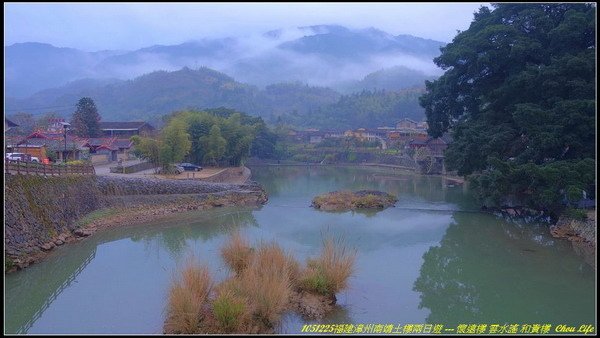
pixel 581 233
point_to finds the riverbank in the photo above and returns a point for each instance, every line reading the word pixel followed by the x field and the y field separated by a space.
pixel 580 232
pixel 35 226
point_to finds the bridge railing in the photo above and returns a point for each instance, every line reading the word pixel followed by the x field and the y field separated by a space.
pixel 33 168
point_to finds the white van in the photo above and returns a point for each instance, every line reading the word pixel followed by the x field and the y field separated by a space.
pixel 21 157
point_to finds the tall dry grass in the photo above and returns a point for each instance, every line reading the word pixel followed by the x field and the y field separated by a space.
pixel 271 254
pixel 267 283
pixel 187 297
pixel 236 252
pixel 329 273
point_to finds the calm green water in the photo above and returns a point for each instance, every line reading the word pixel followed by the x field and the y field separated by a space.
pixel 428 260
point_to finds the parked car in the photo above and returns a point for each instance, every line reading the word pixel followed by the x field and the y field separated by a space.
pixel 21 157
pixel 189 167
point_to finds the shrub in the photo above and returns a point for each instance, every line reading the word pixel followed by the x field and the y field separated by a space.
pixel 77 162
pixel 236 252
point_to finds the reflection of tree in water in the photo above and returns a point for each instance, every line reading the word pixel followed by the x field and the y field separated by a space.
pixel 174 233
pixel 487 271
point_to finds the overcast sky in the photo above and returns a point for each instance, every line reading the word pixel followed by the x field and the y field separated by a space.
pixel 99 26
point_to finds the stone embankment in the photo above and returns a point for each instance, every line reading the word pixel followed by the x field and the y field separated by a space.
pixel 42 212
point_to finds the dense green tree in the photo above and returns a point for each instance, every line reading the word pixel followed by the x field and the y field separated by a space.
pixel 519 96
pixel 146 148
pixel 217 136
pixel 85 120
pixel 175 143
pixel 215 145
pixel 263 145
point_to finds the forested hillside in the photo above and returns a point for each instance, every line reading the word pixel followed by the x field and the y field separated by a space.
pixel 367 109
pixel 153 95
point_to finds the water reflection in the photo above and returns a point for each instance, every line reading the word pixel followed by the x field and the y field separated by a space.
pixel 419 261
pixel 29 293
pixel 194 226
pixel 488 271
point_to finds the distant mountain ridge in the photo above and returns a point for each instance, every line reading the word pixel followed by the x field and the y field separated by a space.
pixel 319 55
pixel 153 95
pixel 158 93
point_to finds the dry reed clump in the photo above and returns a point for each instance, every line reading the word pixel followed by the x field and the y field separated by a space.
pixel 329 273
pixel 267 284
pixel 187 299
pixel 236 253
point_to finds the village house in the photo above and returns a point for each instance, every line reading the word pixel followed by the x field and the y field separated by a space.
pixel 406 123
pixel 363 134
pixel 43 145
pixel 111 149
pixel 407 135
pixel 422 126
pixel 312 135
pixel 125 129
pixel 436 146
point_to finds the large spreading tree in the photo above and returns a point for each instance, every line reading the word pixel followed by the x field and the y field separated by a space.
pixel 86 120
pixel 518 95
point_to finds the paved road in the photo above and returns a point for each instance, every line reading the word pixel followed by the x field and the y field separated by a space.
pixel 104 169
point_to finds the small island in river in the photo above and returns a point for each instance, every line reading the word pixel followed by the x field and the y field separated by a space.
pixel 348 200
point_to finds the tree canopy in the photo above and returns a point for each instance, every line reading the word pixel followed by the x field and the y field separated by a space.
pixel 217 136
pixel 518 94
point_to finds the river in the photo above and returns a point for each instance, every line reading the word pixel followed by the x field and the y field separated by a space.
pixel 432 259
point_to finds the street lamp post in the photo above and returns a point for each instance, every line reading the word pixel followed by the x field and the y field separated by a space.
pixel 65 126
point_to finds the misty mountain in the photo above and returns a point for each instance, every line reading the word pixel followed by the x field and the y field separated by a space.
pixel 31 67
pixel 318 55
pixel 357 45
pixel 153 95
pixel 150 96
pixel 390 79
